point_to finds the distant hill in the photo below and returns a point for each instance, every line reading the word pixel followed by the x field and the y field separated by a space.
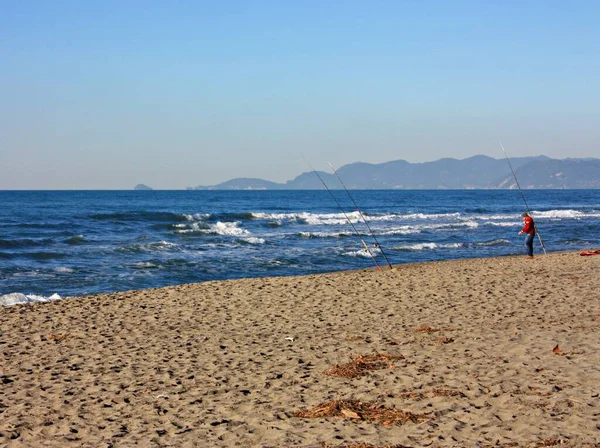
pixel 142 187
pixel 567 173
pixel 477 172
pixel 243 183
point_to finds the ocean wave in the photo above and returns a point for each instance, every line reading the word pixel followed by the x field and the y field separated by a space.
pixel 76 239
pixel 311 235
pixel 402 230
pixel 195 227
pixel 42 255
pixel 252 240
pixel 25 242
pixel 139 216
pixel 404 216
pixel 17 298
pixel 150 247
pixel 310 218
pixel 450 225
pixel 196 216
pixel 455 215
pixel 236 216
pixel 428 246
pixel 218 228
pixel 495 242
pixel 145 265
pixel 503 224
pixel 564 214
pixel 364 253
pixel 495 217
pixel 228 229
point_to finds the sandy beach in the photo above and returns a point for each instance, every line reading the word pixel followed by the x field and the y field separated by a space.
pixel 498 352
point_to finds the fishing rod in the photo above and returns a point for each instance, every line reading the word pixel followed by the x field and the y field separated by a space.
pixel 347 217
pixel 362 216
pixel 523 196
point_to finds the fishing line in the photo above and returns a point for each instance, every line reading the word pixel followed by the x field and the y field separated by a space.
pixel 523 196
pixel 362 216
pixel 347 217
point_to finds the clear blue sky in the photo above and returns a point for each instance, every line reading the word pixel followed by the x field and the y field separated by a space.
pixel 108 94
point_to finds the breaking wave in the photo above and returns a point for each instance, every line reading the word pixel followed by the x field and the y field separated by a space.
pixel 16 298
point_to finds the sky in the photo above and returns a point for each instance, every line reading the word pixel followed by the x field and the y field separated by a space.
pixel 109 94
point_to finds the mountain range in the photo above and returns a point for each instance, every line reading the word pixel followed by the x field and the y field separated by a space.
pixel 477 172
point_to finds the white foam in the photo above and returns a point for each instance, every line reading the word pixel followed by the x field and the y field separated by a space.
pixel 17 297
pixel 197 216
pixel 495 242
pixel 325 234
pixel 429 246
pixel 563 214
pixel 402 230
pixel 430 216
pixel 218 228
pixel 195 227
pixel 145 265
pixel 311 218
pixel 273 216
pixel 502 224
pixel 254 240
pixel 453 245
pixel 451 225
pixel 228 229
pixel 420 246
pixel 390 217
pixel 373 251
pixel 62 269
pixel 330 218
pixel 164 244
pixel 495 217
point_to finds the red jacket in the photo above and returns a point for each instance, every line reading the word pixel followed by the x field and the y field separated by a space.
pixel 529 227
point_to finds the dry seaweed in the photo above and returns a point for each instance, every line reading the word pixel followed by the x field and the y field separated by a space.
pixel 358 410
pixel 425 328
pixel 362 364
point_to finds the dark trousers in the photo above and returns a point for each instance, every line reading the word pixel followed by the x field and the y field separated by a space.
pixel 529 244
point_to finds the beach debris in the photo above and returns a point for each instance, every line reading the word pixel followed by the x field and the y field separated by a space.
pixel 419 395
pixel 289 338
pixel 349 414
pixel 356 337
pixel 350 445
pixel 438 392
pixel 445 340
pixel 389 341
pixel 357 410
pixel 56 337
pixel 557 351
pixel 162 396
pixel 426 328
pixel 550 442
pixel 356 445
pixel 362 364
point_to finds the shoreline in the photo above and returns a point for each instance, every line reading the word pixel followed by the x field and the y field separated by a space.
pixel 509 344
pixel 30 299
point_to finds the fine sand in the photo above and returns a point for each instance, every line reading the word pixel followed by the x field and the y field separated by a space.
pixel 498 352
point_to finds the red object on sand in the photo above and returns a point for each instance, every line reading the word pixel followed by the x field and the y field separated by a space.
pixel 590 252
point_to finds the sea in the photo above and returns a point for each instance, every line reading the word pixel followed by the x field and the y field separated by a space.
pixel 57 244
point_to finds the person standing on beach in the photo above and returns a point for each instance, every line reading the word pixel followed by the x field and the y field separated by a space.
pixel 529 230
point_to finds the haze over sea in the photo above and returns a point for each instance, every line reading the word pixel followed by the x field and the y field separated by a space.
pixel 73 243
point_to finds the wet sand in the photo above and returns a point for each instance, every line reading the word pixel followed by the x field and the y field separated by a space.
pixel 489 352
